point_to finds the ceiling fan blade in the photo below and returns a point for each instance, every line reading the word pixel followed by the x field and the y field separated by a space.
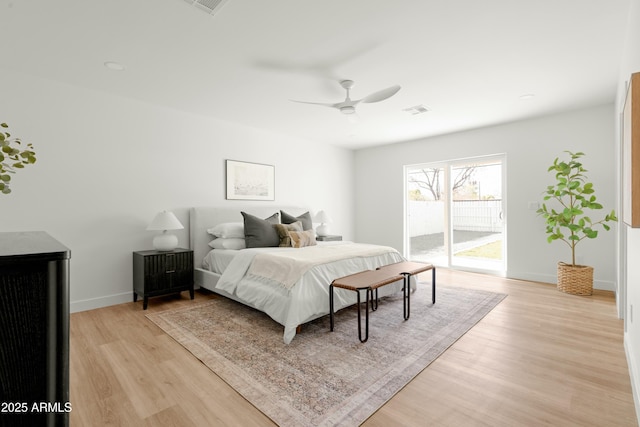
pixel 381 95
pixel 324 104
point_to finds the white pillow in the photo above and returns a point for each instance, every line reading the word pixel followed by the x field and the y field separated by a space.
pixel 228 243
pixel 228 230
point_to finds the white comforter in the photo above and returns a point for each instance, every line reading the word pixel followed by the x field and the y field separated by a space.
pixel 308 297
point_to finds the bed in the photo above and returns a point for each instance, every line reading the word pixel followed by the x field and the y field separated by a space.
pixel 255 276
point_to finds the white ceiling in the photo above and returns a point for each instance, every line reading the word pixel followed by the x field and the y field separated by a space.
pixel 467 61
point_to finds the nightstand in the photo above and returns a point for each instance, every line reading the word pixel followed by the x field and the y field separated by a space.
pixel 329 238
pixel 158 273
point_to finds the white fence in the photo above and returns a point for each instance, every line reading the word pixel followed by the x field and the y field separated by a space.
pixel 427 217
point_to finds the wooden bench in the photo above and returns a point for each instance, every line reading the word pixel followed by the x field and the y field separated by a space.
pixel 367 281
pixel 370 280
pixel 408 269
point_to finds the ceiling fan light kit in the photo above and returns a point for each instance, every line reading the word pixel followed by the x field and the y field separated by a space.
pixel 348 109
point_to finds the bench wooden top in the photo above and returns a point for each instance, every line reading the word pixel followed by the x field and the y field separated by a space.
pixel 406 267
pixel 366 279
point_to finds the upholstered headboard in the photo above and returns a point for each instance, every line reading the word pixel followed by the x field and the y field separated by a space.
pixel 205 217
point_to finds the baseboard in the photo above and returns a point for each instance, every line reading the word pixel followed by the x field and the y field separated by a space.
pixel 604 285
pixel 93 303
pixel 634 372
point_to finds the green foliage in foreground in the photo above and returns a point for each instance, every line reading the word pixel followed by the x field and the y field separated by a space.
pixel 12 157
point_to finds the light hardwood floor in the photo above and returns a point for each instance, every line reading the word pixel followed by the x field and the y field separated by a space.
pixel 539 358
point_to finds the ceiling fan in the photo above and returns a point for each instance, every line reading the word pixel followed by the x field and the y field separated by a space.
pixel 348 106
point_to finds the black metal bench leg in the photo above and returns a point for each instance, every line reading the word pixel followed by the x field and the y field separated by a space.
pixel 366 316
pixel 374 300
pixel 331 306
pixel 406 293
pixel 433 285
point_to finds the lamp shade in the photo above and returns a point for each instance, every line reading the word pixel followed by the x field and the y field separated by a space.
pixel 162 222
pixel 165 221
pixel 322 217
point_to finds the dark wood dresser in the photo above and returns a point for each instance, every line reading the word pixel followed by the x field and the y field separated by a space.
pixel 34 330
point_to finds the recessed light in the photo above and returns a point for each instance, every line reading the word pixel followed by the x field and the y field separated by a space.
pixel 115 66
pixel 527 96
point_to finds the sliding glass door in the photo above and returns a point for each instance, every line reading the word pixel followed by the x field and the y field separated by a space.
pixel 455 215
pixel 427 218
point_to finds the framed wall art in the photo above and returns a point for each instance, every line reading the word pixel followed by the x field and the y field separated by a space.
pixel 250 181
pixel 631 154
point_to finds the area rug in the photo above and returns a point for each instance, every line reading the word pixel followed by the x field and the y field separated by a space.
pixel 325 378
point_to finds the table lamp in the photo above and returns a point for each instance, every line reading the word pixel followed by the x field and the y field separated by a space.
pixel 165 221
pixel 323 218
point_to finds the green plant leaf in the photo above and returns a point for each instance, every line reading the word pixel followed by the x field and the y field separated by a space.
pixel 12 157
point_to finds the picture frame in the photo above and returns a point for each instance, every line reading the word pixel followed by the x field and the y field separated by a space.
pixel 631 153
pixel 249 181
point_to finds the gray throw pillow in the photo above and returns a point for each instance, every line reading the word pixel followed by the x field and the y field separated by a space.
pixel 305 218
pixel 260 233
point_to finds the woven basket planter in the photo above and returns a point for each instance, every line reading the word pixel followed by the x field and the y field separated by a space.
pixel 575 280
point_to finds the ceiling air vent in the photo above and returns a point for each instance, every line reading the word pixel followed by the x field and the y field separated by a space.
pixel 208 6
pixel 417 109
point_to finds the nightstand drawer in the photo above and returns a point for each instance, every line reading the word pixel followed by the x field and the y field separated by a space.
pixel 167 270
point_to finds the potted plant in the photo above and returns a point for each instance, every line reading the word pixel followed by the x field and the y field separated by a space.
pixel 12 157
pixel 569 221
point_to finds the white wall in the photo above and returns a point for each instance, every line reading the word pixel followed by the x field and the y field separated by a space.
pixel 631 253
pixel 530 147
pixel 106 165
